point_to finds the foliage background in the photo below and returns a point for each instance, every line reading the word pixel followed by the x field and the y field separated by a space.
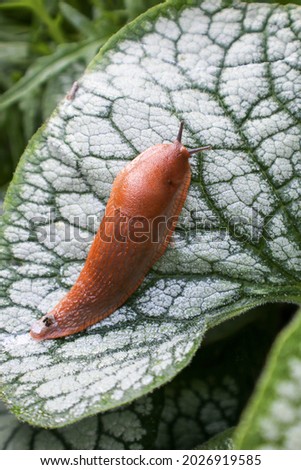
pixel 44 47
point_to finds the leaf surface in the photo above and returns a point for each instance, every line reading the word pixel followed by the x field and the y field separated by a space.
pixel 272 419
pixel 2 195
pixel 133 427
pixel 207 397
pixel 198 406
pixel 231 72
pixel 222 441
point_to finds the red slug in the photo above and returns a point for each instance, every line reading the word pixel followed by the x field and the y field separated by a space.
pixel 145 202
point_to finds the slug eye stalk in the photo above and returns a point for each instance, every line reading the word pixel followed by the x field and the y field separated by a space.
pixel 180 132
pixel 200 149
pixel 196 150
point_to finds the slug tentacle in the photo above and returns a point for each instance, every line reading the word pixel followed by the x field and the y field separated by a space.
pixel 142 212
pixel 200 149
pixel 180 132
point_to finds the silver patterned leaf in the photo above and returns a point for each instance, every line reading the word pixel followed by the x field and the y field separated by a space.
pixel 272 418
pixel 231 72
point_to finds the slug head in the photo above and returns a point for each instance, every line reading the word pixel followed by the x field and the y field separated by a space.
pixel 45 328
pixel 150 183
pixel 191 151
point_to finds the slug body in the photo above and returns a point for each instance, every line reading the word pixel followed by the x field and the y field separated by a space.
pixel 141 214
